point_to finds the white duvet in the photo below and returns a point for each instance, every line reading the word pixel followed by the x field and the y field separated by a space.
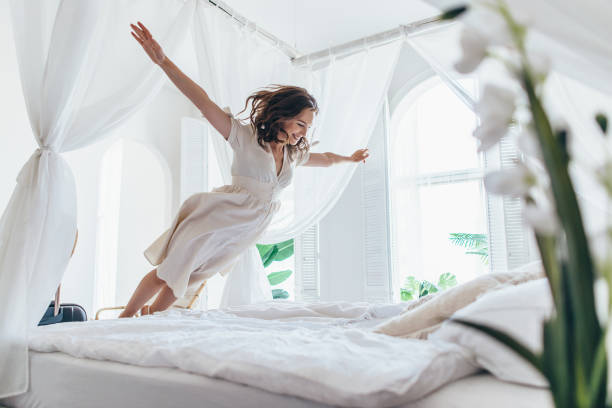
pixel 323 352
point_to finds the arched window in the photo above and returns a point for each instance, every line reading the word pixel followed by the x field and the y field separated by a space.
pixel 134 200
pixel 436 187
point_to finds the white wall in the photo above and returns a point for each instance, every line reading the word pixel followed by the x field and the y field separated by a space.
pixel 142 214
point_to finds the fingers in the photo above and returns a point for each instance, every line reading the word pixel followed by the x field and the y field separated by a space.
pixel 137 38
pixel 362 155
pixel 146 31
pixel 138 31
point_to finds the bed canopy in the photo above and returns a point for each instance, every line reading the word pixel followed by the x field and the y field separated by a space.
pixel 69 53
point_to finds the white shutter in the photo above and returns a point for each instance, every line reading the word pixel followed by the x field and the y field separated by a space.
pixel 194 170
pixel 375 187
pixel 508 237
pixel 307 287
pixel 194 155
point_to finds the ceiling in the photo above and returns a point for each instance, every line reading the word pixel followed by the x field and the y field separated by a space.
pixel 318 24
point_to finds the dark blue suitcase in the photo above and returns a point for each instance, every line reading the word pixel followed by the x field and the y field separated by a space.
pixel 68 312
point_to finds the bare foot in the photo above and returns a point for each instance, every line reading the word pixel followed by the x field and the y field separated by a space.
pixel 146 310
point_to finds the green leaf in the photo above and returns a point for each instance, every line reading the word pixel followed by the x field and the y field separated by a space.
pixel 602 121
pixel 411 288
pixel 406 295
pixel 598 376
pixel 447 280
pixel 506 340
pixel 280 294
pixel 279 277
pixel 285 244
pixel 426 287
pixel 284 253
pixel 270 258
pixel 264 250
pixel 467 240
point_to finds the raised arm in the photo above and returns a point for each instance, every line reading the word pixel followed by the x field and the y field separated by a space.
pixel 329 159
pixel 215 115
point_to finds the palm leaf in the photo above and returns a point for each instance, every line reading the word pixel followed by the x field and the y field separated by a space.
pixel 264 249
pixel 280 294
pixel 270 256
pixel 279 277
pixel 284 253
pixel 467 240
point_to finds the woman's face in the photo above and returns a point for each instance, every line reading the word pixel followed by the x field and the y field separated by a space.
pixel 297 127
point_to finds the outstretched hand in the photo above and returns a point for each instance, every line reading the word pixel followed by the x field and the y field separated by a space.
pixel 151 47
pixel 360 155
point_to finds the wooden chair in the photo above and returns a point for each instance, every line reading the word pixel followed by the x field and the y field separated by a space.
pixel 188 302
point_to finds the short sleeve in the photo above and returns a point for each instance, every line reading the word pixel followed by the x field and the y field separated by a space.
pixel 302 157
pixel 239 133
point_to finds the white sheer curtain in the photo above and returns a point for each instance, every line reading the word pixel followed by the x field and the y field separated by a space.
pixel 234 61
pixel 81 75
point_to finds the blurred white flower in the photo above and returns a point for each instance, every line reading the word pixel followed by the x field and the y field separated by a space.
pixel 495 109
pixel 515 181
pixel 495 30
pixel 528 143
pixel 474 50
pixel 541 218
pixel 489 134
pixel 540 64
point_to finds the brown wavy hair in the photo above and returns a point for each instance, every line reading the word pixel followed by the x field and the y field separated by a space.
pixel 275 104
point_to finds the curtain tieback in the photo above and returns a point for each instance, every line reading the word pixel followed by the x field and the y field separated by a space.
pixel 43 149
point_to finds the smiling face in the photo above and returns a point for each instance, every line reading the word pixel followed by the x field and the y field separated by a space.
pixel 297 127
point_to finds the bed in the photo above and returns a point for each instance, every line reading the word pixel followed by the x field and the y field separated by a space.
pixel 276 354
pixel 60 380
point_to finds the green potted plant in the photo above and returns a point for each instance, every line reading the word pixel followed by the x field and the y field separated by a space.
pixel 276 253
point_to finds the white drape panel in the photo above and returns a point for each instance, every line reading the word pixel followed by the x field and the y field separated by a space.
pixel 81 74
pixel 233 62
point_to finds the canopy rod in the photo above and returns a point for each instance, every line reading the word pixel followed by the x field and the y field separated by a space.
pixel 286 48
pixel 372 41
pixel 339 51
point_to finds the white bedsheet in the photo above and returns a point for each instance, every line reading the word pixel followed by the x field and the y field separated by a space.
pixel 322 352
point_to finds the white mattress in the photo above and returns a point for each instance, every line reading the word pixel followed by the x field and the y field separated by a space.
pixel 319 352
pixel 284 354
pixel 59 380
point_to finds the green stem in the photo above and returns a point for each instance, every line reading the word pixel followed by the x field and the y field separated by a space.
pixel 581 269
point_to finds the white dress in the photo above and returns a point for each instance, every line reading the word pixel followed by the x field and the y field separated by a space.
pixel 213 229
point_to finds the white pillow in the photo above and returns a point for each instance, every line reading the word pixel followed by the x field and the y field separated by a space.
pixel 424 316
pixel 519 311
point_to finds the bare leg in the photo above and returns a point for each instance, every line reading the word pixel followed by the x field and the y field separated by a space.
pixel 148 286
pixel 164 300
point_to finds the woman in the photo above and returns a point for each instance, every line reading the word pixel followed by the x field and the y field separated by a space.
pixel 212 229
